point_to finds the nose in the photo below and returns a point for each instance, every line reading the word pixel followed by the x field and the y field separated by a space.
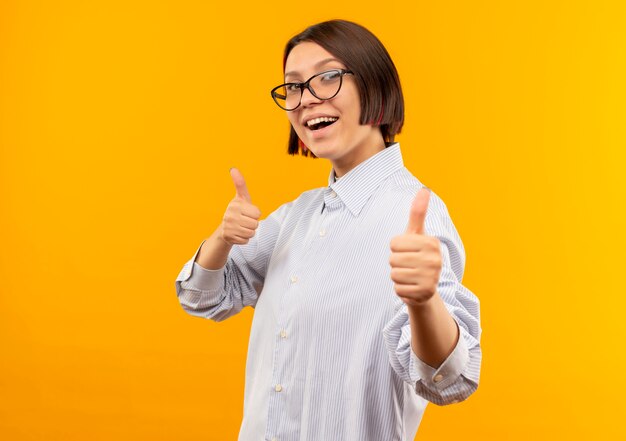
pixel 308 98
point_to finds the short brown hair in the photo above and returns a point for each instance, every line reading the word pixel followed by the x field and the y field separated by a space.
pixel 376 76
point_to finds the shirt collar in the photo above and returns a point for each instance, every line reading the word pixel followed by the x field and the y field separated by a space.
pixel 356 186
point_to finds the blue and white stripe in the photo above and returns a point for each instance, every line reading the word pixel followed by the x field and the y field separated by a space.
pixel 329 356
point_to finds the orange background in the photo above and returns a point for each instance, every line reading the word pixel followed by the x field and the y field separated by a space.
pixel 118 124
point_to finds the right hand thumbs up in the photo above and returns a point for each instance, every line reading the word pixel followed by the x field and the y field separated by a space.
pixel 242 217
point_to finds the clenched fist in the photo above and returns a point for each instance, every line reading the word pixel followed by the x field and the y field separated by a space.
pixel 242 217
pixel 416 258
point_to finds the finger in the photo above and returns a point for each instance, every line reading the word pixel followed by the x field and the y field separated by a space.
pixel 240 184
pixel 240 207
pixel 405 276
pixel 243 232
pixel 237 235
pixel 248 223
pixel 236 230
pixel 237 240
pixel 250 211
pixel 408 290
pixel 413 243
pixel 404 260
pixel 418 212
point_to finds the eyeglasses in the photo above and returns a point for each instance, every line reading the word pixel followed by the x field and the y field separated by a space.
pixel 324 86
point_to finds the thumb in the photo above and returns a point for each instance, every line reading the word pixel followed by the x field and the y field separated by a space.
pixel 240 184
pixel 418 212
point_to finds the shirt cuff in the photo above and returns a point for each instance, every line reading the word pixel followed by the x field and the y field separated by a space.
pixel 203 279
pixel 450 369
pixel 197 278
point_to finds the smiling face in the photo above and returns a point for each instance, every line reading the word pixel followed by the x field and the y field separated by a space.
pixel 345 142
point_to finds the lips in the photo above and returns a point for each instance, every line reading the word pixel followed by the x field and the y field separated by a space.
pixel 317 118
pixel 321 122
pixel 322 130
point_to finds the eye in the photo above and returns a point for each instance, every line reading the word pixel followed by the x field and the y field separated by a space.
pixel 292 87
pixel 330 76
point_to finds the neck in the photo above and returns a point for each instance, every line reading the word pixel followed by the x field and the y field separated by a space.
pixel 344 165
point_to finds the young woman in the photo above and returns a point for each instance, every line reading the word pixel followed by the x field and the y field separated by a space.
pixel 360 315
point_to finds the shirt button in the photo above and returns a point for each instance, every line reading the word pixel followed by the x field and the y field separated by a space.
pixel 283 333
pixel 278 388
pixel 293 279
pixel 322 232
pixel 438 378
pixel 333 194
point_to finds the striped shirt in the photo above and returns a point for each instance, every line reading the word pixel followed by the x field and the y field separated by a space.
pixel 329 356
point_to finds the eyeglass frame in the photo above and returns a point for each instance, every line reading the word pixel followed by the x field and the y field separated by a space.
pixel 307 85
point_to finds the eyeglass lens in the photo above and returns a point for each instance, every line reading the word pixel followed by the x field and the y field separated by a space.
pixel 325 86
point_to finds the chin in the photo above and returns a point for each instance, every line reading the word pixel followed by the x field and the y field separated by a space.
pixel 322 150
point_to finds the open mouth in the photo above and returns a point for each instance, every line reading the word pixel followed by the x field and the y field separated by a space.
pixel 320 123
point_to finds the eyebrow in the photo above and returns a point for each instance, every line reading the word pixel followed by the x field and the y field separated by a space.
pixel 316 65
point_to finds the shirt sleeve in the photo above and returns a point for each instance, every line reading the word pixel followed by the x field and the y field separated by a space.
pixel 457 377
pixel 219 294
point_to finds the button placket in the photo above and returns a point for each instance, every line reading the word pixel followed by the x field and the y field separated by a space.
pixel 296 279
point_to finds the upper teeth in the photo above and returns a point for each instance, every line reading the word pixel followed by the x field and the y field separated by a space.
pixel 314 121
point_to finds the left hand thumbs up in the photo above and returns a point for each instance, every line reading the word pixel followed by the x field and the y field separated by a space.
pixel 416 258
